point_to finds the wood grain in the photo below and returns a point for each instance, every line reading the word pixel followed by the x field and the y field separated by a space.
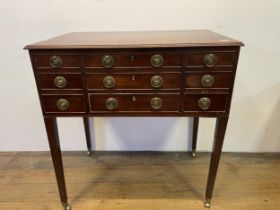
pixel 110 181
pixel 139 39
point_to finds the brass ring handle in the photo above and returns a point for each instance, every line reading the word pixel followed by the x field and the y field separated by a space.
pixel 60 82
pixel 156 81
pixel 204 103
pixel 207 80
pixel 210 60
pixel 157 60
pixel 111 103
pixel 62 104
pixel 107 61
pixel 56 61
pixel 156 103
pixel 109 82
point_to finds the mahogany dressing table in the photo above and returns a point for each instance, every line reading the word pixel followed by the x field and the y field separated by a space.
pixel 165 73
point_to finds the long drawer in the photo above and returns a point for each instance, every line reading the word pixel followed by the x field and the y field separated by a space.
pixel 134 102
pixel 130 81
pixel 124 59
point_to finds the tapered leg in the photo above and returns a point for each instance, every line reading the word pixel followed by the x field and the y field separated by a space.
pixel 87 132
pixel 194 135
pixel 220 130
pixel 51 127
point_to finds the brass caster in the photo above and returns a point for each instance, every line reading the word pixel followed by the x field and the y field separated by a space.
pixel 193 154
pixel 207 204
pixel 67 207
pixel 89 153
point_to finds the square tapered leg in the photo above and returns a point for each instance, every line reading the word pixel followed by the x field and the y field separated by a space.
pixel 220 130
pixel 87 133
pixel 194 135
pixel 52 133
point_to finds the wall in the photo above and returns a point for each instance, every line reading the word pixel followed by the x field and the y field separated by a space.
pixel 255 115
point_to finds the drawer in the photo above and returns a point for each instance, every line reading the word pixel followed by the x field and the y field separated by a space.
pixel 134 102
pixel 209 80
pixel 51 81
pixel 63 103
pixel 56 61
pixel 216 102
pixel 210 59
pixel 110 60
pixel 138 81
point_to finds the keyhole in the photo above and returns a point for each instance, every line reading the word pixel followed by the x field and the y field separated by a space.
pixel 133 98
pixel 132 58
pixel 132 77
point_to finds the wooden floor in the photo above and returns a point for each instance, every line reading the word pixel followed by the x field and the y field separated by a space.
pixel 139 181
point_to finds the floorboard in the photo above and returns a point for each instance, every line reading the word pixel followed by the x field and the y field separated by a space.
pixel 139 180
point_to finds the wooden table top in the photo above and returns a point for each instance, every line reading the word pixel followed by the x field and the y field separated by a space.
pixel 136 39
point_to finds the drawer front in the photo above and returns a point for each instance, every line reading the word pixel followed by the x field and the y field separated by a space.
pixel 216 102
pixel 165 59
pixel 56 61
pixel 133 81
pixel 63 103
pixel 209 80
pixel 50 81
pixel 134 102
pixel 210 59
